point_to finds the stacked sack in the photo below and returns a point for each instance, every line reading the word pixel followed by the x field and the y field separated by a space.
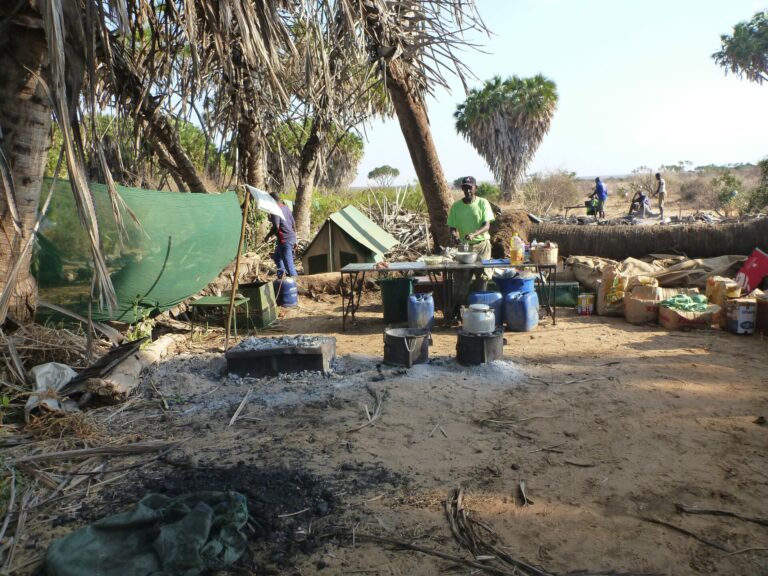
pixel 610 291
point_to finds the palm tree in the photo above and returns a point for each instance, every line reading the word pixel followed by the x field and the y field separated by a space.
pixel 506 121
pixel 745 53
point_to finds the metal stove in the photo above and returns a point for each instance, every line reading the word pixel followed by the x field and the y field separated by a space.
pixel 473 349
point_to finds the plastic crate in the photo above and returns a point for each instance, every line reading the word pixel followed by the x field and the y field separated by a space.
pixel 566 295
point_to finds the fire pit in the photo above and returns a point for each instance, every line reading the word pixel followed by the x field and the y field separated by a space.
pixel 271 356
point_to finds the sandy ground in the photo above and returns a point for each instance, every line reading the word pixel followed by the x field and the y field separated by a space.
pixel 605 422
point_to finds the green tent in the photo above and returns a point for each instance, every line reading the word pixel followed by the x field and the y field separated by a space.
pixel 347 236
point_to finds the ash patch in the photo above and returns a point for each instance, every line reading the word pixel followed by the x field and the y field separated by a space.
pixel 300 341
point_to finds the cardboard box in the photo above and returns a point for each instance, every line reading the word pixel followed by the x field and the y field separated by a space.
pixel 642 292
pixel 665 293
pixel 681 319
pixel 641 310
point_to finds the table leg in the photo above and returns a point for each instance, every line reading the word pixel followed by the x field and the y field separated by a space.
pixel 359 293
pixel 546 289
pixel 554 305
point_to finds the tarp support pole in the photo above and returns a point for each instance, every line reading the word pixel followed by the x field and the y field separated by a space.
pixel 246 204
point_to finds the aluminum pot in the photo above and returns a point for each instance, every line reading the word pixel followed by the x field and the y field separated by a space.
pixel 466 257
pixel 478 319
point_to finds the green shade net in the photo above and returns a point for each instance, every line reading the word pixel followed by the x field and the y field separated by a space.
pixel 180 243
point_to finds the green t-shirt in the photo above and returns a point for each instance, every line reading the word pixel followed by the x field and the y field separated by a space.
pixel 467 218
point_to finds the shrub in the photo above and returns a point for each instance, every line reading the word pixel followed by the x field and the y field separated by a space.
pixel 542 192
pixel 490 192
pixel 728 193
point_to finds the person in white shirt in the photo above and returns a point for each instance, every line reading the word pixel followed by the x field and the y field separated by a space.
pixel 661 192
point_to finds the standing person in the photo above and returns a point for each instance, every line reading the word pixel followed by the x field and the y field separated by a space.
pixel 470 219
pixel 661 192
pixel 601 192
pixel 284 229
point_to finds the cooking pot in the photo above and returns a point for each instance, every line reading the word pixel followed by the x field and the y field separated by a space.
pixel 478 319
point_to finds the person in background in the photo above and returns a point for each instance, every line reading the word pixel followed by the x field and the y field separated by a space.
pixel 470 219
pixel 640 205
pixel 601 193
pixel 661 192
pixel 284 229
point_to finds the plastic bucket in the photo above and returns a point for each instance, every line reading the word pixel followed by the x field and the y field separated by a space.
pixel 517 284
pixel 394 298
pixel 421 311
pixel 287 292
pixel 406 346
pixel 495 300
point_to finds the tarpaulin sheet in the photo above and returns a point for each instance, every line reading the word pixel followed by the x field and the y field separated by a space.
pixel 160 536
pixel 175 244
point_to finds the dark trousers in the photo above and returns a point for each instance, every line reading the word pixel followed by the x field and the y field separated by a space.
pixel 283 257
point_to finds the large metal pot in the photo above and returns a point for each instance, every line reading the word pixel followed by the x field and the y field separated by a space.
pixel 478 319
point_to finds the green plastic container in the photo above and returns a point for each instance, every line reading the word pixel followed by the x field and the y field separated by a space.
pixel 566 295
pixel 394 297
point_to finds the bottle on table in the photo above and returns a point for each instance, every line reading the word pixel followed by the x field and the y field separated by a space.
pixel 516 250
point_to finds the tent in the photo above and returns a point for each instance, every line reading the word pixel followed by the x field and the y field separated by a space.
pixel 348 236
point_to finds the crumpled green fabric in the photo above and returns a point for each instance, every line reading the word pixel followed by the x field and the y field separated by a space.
pixel 160 536
pixel 688 303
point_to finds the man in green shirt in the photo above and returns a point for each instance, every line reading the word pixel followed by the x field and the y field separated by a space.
pixel 470 219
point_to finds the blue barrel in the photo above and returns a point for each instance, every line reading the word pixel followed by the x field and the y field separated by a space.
pixel 521 311
pixel 287 292
pixel 493 299
pixel 421 311
pixel 516 284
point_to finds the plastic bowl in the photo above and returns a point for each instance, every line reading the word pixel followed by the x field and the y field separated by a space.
pixel 432 260
pixel 466 257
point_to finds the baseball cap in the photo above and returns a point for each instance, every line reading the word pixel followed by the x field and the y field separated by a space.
pixel 469 181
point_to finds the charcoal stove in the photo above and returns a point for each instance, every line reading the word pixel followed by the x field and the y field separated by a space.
pixel 473 349
pixel 256 357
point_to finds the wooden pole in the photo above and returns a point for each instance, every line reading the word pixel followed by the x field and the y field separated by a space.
pixel 246 204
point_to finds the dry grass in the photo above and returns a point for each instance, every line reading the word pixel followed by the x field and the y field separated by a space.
pixel 79 425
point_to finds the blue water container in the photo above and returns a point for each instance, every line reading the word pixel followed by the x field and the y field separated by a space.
pixel 287 292
pixel 516 284
pixel 421 311
pixel 521 311
pixel 493 299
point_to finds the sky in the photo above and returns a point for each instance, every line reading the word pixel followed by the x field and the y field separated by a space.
pixel 636 81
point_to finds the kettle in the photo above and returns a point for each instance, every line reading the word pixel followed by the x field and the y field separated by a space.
pixel 478 319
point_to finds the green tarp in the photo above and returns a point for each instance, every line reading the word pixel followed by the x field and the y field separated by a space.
pixel 160 536
pixel 180 243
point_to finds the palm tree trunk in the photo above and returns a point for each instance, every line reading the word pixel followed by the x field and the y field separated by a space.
pixel 25 122
pixel 414 123
pixel 307 171
pixel 251 151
